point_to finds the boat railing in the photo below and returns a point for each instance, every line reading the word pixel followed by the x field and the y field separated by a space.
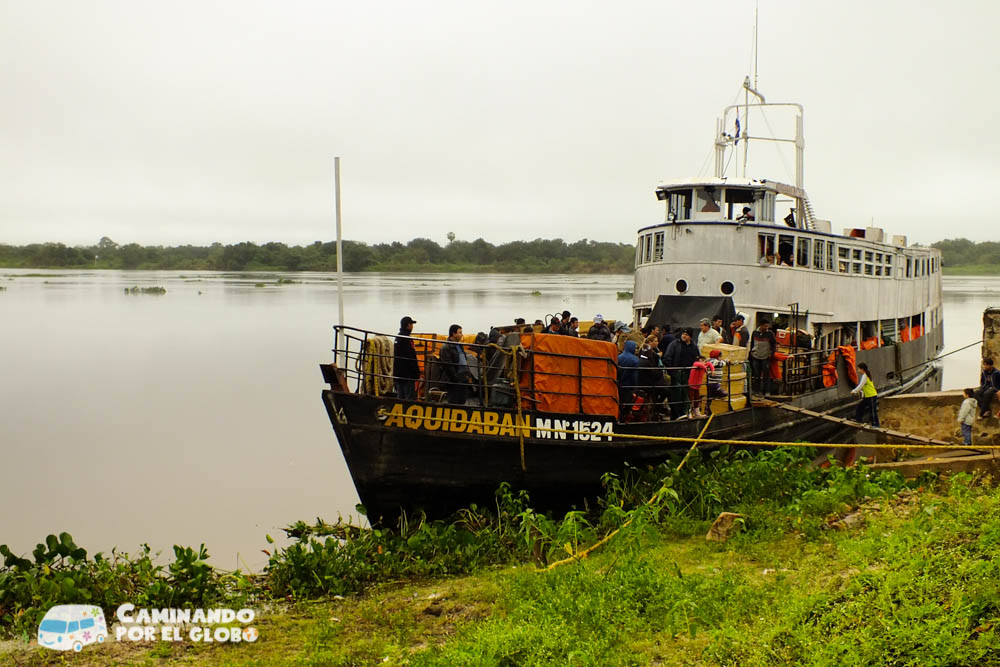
pixel 497 373
pixel 502 374
pixel 802 372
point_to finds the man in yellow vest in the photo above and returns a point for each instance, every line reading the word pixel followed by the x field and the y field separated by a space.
pixel 868 407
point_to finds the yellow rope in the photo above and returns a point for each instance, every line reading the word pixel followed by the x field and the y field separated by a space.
pixel 580 555
pixel 695 443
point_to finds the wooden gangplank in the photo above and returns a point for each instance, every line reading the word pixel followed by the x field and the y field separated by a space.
pixel 909 437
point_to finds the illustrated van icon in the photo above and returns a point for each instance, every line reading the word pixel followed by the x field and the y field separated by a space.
pixel 72 626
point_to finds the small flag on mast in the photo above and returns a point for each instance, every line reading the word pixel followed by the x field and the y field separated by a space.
pixel 737 130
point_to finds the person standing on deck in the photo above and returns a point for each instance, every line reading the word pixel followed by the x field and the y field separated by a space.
pixel 599 330
pixel 678 360
pixel 763 345
pixel 738 333
pixel 455 367
pixel 628 378
pixel 405 369
pixel 708 335
pixel 868 407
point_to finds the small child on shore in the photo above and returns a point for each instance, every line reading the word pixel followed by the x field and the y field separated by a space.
pixel 967 416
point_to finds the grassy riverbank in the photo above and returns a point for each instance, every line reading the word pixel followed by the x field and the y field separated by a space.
pixel 832 567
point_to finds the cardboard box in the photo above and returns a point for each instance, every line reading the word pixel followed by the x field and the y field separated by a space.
pixel 730 353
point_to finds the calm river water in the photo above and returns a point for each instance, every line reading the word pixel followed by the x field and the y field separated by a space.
pixel 194 416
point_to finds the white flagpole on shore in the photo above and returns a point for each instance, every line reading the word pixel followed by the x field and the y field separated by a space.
pixel 341 361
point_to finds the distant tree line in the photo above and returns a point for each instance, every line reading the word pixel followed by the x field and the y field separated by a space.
pixel 963 252
pixel 538 256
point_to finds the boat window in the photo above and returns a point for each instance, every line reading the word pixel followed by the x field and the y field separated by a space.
pixel 868 269
pixel 658 247
pixel 868 255
pixel 786 246
pixel 878 269
pixel 878 257
pixel 638 250
pixel 802 257
pixel 737 198
pixel 679 205
pixel 647 255
pixel 765 248
pixel 856 254
pixel 843 254
pixel 888 259
pixel 829 255
pixel 856 267
pixel 707 200
pixel 909 264
pixel 818 256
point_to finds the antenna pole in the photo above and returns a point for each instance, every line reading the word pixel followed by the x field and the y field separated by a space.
pixel 340 257
pixel 756 13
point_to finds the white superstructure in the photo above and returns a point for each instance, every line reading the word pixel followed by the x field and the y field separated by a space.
pixel 781 261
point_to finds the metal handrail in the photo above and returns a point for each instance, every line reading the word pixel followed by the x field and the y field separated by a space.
pixel 351 343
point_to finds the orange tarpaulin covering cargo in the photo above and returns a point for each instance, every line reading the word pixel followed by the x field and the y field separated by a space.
pixel 870 343
pixel 830 367
pixel 570 375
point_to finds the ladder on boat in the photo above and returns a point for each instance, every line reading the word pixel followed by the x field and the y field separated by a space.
pixel 910 437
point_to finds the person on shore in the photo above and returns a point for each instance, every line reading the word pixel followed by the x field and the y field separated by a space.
pixel 599 330
pixel 967 415
pixel 868 407
pixel 989 383
pixel 405 369
pixel 763 345
pixel 708 335
pixel 455 367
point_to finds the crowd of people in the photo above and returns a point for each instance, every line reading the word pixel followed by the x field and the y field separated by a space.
pixel 656 366
pixel 664 370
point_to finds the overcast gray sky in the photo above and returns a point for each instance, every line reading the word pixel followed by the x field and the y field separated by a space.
pixel 193 122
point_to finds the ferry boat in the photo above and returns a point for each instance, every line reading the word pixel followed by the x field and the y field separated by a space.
pixel 548 414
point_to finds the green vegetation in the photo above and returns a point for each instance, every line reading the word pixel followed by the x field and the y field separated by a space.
pixel 964 253
pixel 135 289
pixel 538 256
pixel 832 566
pixel 624 296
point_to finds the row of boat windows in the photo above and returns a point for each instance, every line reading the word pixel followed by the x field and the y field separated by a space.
pixel 792 250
